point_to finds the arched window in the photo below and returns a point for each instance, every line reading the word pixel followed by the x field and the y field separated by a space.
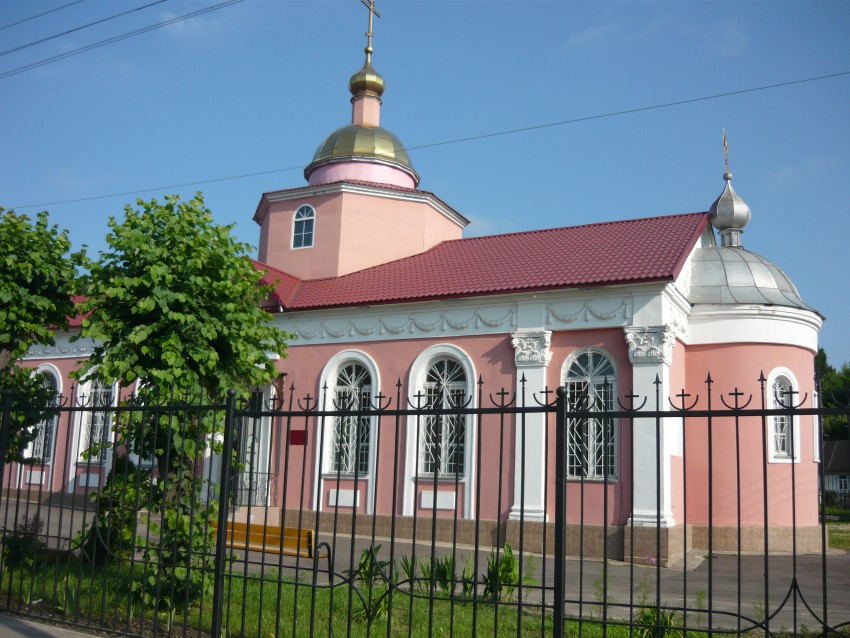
pixel 781 394
pixel 40 450
pixel 253 450
pixel 784 428
pixel 442 445
pixel 590 379
pixel 349 445
pixel 303 227
pixel 97 420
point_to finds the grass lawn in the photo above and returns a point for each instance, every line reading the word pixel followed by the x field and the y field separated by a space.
pixel 101 596
pixel 839 535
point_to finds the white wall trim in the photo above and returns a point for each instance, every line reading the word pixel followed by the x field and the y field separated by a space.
pixel 560 310
pixel 795 423
pixel 418 372
pixel 323 431
pixel 63 349
pixel 710 324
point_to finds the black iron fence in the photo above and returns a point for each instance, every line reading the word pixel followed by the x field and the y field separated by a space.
pixel 449 513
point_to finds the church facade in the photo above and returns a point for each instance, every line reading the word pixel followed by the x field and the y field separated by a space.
pixel 385 296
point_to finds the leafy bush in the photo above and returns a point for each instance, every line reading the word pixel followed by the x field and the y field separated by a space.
pixel 113 530
pixel 181 561
pixel 503 575
pixel 654 622
pixel 24 545
pixel 372 577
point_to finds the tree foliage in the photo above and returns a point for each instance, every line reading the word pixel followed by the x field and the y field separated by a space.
pixel 176 302
pixel 175 305
pixel 834 392
pixel 38 278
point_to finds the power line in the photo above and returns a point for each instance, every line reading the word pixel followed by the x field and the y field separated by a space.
pixel 80 28
pixel 630 111
pixel 118 38
pixel 14 24
pixel 162 188
pixel 471 138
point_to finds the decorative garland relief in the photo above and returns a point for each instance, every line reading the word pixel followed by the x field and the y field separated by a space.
pixel 411 325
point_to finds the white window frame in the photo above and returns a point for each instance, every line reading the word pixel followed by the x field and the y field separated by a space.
pixel 304 215
pixel 53 421
pixel 255 449
pixel 816 426
pixel 779 375
pixel 596 381
pixel 87 417
pixel 325 432
pixel 81 425
pixel 416 384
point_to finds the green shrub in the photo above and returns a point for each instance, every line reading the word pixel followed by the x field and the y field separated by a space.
pixel 24 545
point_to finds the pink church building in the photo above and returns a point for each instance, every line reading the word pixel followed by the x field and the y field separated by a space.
pixel 374 277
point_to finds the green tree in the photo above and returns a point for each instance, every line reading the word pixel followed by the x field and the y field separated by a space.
pixel 174 304
pixel 835 392
pixel 38 279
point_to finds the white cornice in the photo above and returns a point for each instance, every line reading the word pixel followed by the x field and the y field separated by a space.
pixel 335 188
pixel 565 310
pixel 709 323
pixel 64 348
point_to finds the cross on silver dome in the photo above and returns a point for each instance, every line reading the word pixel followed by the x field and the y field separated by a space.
pixel 729 213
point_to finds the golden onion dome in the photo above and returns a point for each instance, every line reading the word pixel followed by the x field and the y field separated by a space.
pixel 357 141
pixel 367 81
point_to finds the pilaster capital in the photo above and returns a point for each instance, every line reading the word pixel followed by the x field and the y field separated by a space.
pixel 531 348
pixel 650 344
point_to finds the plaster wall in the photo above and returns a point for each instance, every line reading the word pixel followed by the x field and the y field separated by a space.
pixel 586 500
pixel 734 464
pixel 352 231
pixel 364 171
pixel 393 361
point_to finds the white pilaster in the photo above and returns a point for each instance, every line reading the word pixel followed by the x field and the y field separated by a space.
pixel 531 356
pixel 651 353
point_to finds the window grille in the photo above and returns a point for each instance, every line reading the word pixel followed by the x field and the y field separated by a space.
pixel 782 422
pixel 350 439
pixel 442 436
pixel 591 442
pixel 40 450
pixel 98 422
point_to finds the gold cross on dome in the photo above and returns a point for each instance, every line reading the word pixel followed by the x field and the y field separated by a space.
pixel 370 4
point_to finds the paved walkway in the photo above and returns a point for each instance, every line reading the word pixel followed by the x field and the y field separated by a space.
pixel 13 627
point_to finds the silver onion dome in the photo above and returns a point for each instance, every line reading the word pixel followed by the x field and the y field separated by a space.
pixel 729 214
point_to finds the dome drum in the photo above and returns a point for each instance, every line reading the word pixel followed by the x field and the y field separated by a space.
pixel 363 144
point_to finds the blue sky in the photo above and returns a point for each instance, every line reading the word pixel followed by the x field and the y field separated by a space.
pixel 256 86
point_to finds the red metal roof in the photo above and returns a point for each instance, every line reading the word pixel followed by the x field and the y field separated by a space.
pixel 284 285
pixel 76 321
pixel 621 252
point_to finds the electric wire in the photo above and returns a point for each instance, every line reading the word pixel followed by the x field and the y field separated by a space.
pixel 80 28
pixel 118 38
pixel 470 138
pixel 14 24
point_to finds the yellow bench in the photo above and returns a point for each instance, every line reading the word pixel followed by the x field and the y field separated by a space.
pixel 290 541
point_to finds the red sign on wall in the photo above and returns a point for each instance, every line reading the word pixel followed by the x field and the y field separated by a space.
pixel 298 437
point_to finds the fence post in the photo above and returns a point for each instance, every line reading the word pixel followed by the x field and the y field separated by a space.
pixel 560 515
pixel 221 532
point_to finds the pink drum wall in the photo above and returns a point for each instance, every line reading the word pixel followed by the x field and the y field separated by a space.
pixel 737 449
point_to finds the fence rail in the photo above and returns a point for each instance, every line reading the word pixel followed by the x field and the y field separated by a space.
pixel 485 513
